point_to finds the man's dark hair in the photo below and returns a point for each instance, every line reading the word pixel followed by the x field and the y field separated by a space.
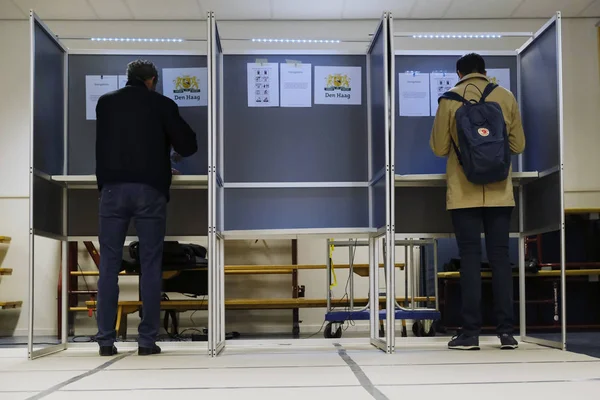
pixel 470 64
pixel 141 70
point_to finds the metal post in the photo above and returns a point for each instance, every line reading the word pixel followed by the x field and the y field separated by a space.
pixel 413 290
pixel 522 292
pixel 406 268
pixel 351 277
pixel 373 288
pixel 435 274
pixel 328 265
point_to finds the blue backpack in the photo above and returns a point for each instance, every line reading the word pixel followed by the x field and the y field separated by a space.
pixel 484 149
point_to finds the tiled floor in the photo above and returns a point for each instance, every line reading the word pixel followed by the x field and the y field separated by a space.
pixel 421 368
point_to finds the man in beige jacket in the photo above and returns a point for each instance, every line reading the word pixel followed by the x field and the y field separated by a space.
pixel 476 206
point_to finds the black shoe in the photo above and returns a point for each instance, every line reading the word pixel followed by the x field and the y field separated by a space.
pixel 508 342
pixel 107 351
pixel 148 351
pixel 464 342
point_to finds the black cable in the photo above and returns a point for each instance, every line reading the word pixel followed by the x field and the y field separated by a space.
pixel 319 331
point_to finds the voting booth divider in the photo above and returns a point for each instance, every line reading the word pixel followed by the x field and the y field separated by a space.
pixel 420 185
pixel 345 166
pixel 63 190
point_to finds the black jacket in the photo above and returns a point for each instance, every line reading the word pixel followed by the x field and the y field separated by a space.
pixel 135 130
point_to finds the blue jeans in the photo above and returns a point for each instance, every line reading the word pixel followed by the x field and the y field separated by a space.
pixel 496 226
pixel 119 204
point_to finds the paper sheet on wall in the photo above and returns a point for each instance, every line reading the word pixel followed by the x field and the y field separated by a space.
pixel 338 85
pixel 188 87
pixel 95 87
pixel 296 85
pixel 122 81
pixel 440 83
pixel 414 95
pixel 263 84
pixel 500 77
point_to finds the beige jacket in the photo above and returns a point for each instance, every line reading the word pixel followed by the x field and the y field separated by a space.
pixel 461 193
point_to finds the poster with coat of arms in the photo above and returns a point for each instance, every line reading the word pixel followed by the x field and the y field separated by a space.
pixel 338 85
pixel 188 87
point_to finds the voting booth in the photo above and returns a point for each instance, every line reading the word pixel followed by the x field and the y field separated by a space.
pixel 534 74
pixel 294 144
pixel 301 148
pixel 65 86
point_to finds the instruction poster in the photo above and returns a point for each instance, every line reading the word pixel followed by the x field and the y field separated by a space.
pixel 414 94
pixel 122 81
pixel 188 87
pixel 296 85
pixel 338 85
pixel 263 84
pixel 440 83
pixel 95 87
pixel 500 77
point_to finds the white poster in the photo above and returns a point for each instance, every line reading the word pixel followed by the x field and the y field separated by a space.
pixel 188 87
pixel 122 81
pixel 500 77
pixel 441 82
pixel 263 84
pixel 95 87
pixel 414 95
pixel 296 85
pixel 338 85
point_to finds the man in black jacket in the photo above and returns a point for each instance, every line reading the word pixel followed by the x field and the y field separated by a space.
pixel 135 130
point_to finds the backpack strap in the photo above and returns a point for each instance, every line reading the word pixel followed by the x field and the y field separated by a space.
pixel 456 97
pixel 487 91
pixel 453 96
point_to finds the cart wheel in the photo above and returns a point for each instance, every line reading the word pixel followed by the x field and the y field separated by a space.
pixel 330 334
pixel 429 328
pixel 404 332
pixel 424 328
pixel 417 328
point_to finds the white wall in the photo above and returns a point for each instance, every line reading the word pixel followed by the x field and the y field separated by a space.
pixel 582 102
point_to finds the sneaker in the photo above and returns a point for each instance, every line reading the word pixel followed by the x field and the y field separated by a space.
pixel 508 342
pixel 107 351
pixel 464 342
pixel 148 351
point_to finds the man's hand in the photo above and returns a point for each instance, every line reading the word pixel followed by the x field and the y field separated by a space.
pixel 175 172
pixel 176 157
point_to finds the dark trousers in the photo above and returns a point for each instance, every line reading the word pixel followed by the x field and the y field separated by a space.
pixel 119 203
pixel 467 227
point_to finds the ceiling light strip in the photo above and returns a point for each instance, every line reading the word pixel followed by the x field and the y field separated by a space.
pixel 462 35
pixel 313 41
pixel 146 40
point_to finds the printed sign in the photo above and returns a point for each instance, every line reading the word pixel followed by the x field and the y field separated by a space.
pixel 188 87
pixel 338 85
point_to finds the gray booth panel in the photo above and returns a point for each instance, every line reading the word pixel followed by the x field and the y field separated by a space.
pixel 48 105
pixel 413 154
pixel 296 208
pixel 542 204
pixel 82 133
pixel 187 213
pixel 379 204
pixel 323 143
pixel 539 102
pixel 423 210
pixel 378 111
pixel 47 206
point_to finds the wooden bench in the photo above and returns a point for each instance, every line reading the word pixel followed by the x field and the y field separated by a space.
pixel 129 307
pixel 553 273
pixel 6 305
pixel 359 269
